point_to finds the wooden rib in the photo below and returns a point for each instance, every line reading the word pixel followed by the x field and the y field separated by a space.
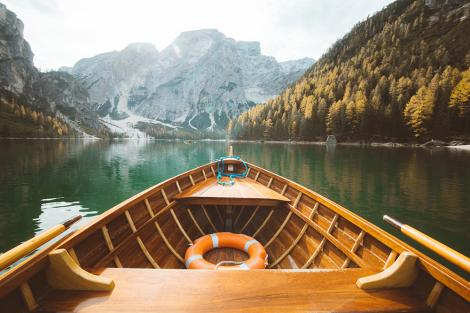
pixel 326 233
pixel 263 224
pixel 147 253
pixel 74 256
pixel 28 296
pixel 391 258
pixel 296 241
pixel 257 175
pixel 178 186
pixel 297 200
pixel 204 174
pixel 124 243
pixel 238 216
pixel 213 172
pixel 219 215
pixel 130 221
pixel 270 182
pixel 110 245
pixel 209 218
pixel 191 179
pixel 180 226
pixel 164 196
pixel 195 222
pixel 249 220
pixel 167 243
pixel 139 240
pixel 284 189
pixel 434 294
pixel 322 243
pixel 356 245
pixel 280 229
pixel 248 172
pixel 314 254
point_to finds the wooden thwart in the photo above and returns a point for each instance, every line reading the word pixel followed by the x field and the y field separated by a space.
pixel 245 191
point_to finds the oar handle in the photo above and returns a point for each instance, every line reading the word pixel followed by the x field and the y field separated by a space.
pixel 13 255
pixel 444 251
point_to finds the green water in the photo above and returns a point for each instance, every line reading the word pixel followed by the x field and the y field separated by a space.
pixel 43 182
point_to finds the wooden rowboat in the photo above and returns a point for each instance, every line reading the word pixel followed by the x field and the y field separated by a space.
pixel 321 257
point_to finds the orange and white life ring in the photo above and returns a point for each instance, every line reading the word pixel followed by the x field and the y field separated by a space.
pixel 194 257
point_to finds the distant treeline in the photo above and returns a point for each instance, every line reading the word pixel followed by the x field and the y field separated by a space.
pixel 403 74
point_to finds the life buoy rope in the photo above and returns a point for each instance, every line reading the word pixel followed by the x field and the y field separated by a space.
pixel 194 257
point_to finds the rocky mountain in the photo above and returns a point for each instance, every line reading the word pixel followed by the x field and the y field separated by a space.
pixel 200 81
pixel 402 74
pixel 34 103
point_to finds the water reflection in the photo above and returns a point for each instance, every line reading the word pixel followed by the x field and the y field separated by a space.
pixel 55 211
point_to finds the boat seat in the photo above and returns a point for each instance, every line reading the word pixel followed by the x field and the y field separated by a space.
pixel 245 191
pixel 150 290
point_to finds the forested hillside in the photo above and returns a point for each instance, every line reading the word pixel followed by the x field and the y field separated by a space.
pixel 402 74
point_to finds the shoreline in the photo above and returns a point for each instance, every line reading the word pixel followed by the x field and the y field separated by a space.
pixel 462 147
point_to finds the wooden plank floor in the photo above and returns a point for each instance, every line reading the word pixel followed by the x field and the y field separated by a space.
pixel 147 290
pixel 245 191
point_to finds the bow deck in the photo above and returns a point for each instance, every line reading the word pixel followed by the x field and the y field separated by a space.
pixel 245 191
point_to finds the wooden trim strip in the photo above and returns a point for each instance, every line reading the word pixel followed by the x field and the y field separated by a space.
pixel 257 175
pixel 249 220
pixel 434 295
pixel 213 172
pixel 195 222
pixel 167 243
pixel 209 218
pixel 178 186
pixel 107 258
pixel 177 221
pixel 315 253
pixel 238 216
pixel 204 174
pixel 28 296
pixel 248 172
pixel 109 243
pixel 296 241
pixel 356 259
pixel 270 182
pixel 164 196
pixel 191 179
pixel 356 245
pixel 279 230
pixel 264 223
pixel 139 240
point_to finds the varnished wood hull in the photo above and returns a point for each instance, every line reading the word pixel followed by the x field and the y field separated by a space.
pixel 310 232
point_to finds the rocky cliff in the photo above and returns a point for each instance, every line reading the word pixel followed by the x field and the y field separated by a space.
pixel 55 94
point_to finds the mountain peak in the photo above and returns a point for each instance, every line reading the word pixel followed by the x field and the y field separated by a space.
pixel 141 47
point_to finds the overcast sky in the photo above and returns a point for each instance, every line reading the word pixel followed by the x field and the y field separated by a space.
pixel 61 32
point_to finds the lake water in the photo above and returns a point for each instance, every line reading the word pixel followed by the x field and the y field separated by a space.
pixel 43 182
